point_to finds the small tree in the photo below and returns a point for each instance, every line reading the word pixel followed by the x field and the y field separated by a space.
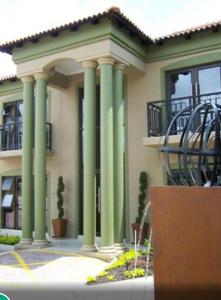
pixel 142 195
pixel 60 190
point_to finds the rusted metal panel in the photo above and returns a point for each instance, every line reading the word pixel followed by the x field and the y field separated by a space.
pixel 187 242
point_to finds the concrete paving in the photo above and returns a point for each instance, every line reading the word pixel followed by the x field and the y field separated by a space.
pixel 60 272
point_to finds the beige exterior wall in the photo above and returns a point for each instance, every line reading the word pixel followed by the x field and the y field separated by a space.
pixel 143 88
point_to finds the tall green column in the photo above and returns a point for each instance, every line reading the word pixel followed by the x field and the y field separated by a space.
pixel 89 154
pixel 118 158
pixel 40 159
pixel 27 160
pixel 106 148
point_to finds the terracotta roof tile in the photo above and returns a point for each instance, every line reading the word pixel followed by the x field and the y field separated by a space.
pixel 112 13
pixel 208 26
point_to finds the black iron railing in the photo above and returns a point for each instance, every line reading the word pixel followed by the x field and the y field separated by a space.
pixel 11 136
pixel 161 113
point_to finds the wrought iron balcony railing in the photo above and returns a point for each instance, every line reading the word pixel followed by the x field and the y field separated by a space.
pixel 11 136
pixel 161 113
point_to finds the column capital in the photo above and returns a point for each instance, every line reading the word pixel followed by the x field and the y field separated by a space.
pixel 119 66
pixel 89 64
pixel 106 61
pixel 41 75
pixel 27 79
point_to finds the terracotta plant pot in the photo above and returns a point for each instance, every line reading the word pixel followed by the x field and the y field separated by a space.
pixel 59 226
pixel 136 227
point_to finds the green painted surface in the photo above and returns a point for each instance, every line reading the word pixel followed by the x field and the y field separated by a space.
pixel 126 162
pixel 200 42
pixel 1 210
pixel 27 158
pixel 89 148
pixel 66 40
pixel 77 166
pixel 106 144
pixel 40 159
pixel 7 88
pixel 85 35
pixel 118 157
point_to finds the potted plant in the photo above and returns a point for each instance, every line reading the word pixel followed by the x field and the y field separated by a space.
pixel 142 202
pixel 60 224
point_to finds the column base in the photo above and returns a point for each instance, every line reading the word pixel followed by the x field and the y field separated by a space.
pixel 107 250
pixel 120 246
pixel 25 241
pixel 89 248
pixel 40 243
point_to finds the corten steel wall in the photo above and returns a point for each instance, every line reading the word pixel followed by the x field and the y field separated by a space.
pixel 187 242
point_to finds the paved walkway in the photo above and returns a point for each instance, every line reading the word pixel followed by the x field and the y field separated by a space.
pixel 44 265
pixel 60 272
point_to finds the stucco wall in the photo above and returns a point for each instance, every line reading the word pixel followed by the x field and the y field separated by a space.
pixel 64 158
pixel 143 88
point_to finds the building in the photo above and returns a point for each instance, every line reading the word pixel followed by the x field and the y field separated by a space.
pixel 103 81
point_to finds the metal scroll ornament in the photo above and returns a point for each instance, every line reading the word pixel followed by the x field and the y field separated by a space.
pixel 196 159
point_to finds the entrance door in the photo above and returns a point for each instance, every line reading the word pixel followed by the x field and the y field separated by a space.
pixel 81 134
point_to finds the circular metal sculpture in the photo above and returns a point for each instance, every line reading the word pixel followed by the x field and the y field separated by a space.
pixel 196 160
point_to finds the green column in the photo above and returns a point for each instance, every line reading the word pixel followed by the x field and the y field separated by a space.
pixel 106 148
pixel 27 160
pixel 40 159
pixel 89 154
pixel 118 158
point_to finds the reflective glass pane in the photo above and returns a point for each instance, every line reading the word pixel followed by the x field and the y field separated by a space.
pixel 7 183
pixel 180 85
pixel 209 80
pixel 7 201
pixel 9 220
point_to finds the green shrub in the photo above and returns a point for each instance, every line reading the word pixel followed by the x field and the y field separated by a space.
pixel 116 264
pixel 138 272
pixel 124 258
pixel 9 239
pixel 142 196
pixel 91 279
pixel 103 273
pixel 129 255
pixel 110 277
pixel 60 190
pixel 149 246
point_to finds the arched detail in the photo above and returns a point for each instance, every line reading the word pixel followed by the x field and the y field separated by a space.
pixel 53 62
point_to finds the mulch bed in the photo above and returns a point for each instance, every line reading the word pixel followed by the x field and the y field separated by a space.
pixel 118 273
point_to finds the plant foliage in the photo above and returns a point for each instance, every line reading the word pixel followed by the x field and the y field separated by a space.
pixel 60 190
pixel 142 195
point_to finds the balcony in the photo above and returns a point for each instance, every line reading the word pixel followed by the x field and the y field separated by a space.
pixel 161 113
pixel 11 136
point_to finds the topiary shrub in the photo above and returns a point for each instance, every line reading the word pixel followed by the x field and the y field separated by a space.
pixel 142 196
pixel 60 190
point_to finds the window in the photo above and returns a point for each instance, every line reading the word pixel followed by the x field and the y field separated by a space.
pixel 11 202
pixel 12 112
pixel 7 183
